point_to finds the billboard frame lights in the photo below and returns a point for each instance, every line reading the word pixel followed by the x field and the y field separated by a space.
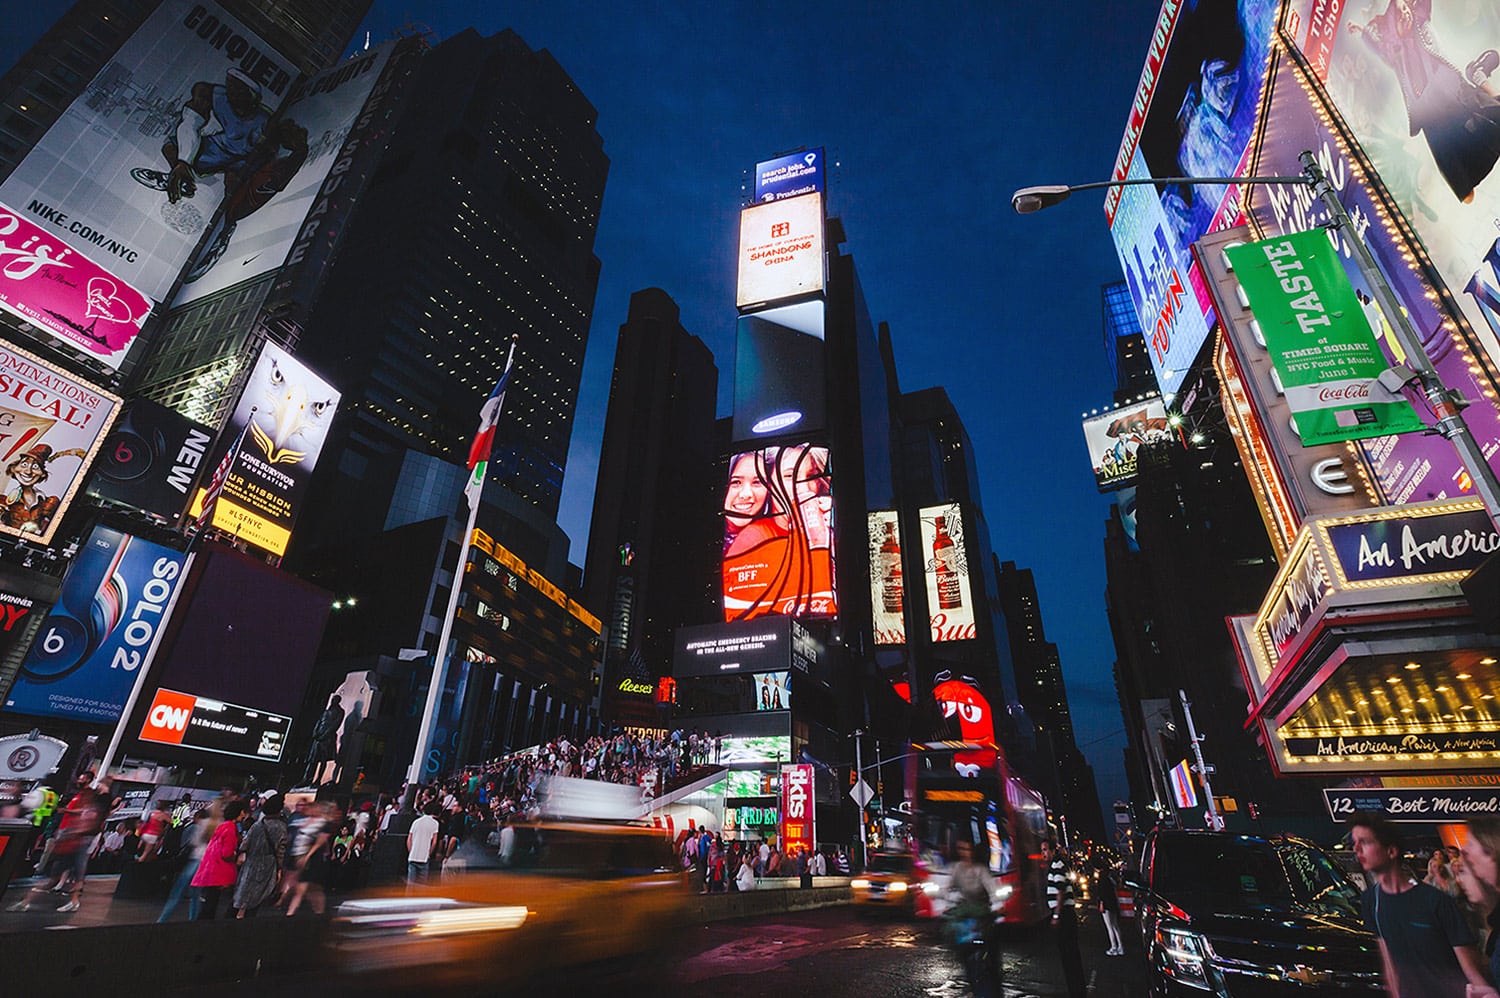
pixel 1444 403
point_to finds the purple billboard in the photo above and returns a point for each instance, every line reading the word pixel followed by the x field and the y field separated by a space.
pixel 1411 467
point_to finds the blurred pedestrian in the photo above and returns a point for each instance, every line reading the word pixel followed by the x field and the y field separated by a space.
pixel 1109 907
pixel 219 866
pixel 194 845
pixel 1426 947
pixel 82 817
pixel 265 851
pixel 421 840
pixel 307 866
pixel 1439 876
pixel 1064 917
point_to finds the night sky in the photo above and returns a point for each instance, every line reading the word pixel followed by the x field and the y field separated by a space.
pixel 931 114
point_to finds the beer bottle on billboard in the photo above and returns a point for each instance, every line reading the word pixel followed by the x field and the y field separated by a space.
pixel 890 571
pixel 950 594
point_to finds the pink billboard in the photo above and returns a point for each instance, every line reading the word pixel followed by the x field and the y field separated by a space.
pixel 49 285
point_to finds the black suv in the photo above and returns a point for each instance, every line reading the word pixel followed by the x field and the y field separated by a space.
pixel 1239 916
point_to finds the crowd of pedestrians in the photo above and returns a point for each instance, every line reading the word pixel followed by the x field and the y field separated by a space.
pixel 718 866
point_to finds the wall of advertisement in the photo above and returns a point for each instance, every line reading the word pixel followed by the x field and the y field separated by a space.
pixel 950 602
pixel 1435 154
pixel 1410 467
pixel 86 654
pixel 288 410
pixel 51 426
pixel 781 250
pixel 1114 441
pixel 779 372
pixel 324 109
pixel 887 587
pixel 65 293
pixel 151 459
pixel 778 534
pixel 191 77
pixel 1194 115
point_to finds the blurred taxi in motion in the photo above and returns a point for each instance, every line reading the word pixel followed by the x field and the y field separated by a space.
pixel 574 893
pixel 895 881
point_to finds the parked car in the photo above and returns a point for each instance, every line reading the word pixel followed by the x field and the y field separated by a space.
pixel 1237 915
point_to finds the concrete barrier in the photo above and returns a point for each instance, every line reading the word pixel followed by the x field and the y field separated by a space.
pixel 173 954
pixel 770 898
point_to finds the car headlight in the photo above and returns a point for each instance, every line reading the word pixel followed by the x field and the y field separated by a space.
pixel 1186 956
pixel 897 886
pixel 859 884
pixel 1003 892
pixel 928 887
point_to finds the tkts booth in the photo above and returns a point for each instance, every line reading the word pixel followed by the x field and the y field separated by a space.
pixel 1365 658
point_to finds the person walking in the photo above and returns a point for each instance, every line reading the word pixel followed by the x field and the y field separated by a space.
pixel 1426 947
pixel 265 851
pixel 194 844
pixel 307 865
pixel 1481 862
pixel 972 920
pixel 219 866
pixel 1109 907
pixel 67 853
pixel 421 840
pixel 1064 918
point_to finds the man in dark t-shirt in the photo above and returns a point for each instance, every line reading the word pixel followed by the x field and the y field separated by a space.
pixel 1426 945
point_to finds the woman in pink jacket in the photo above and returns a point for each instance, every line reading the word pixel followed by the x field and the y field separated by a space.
pixel 220 863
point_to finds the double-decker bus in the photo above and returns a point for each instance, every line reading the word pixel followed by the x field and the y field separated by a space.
pixel 964 791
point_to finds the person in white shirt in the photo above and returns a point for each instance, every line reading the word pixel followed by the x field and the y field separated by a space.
pixel 421 840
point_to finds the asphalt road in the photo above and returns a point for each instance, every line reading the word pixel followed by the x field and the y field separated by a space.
pixel 827 953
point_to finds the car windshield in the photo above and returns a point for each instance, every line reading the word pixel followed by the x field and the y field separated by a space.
pixel 1254 873
pixel 890 863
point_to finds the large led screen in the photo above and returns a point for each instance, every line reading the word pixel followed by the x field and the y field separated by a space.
pixel 950 599
pixel 322 111
pixel 724 649
pixel 1416 83
pixel 1410 467
pixel 778 534
pixel 90 647
pixel 288 409
pixel 781 250
pixel 194 722
pixel 151 459
pixel 887 587
pixel 65 293
pixel 248 633
pixel 754 749
pixel 790 176
pixel 1194 115
pixel 51 426
pixel 1114 441
pixel 135 168
pixel 779 372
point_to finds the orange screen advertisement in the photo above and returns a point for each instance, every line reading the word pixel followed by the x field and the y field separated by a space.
pixel 778 534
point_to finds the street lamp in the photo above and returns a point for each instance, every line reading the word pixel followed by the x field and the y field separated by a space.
pixel 1445 404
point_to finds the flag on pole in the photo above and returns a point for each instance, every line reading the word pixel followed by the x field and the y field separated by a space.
pixel 484 438
pixel 221 475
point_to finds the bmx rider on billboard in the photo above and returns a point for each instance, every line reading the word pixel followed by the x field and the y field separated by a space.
pixel 225 129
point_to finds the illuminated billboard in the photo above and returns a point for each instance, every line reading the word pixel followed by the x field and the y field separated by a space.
pixel 790 176
pixel 1436 153
pixel 51 426
pixel 325 108
pixel 887 588
pixel 151 459
pixel 753 750
pixel 66 294
pixel 1115 438
pixel 1194 115
pixel 771 644
pixel 134 169
pixel 950 601
pixel 195 722
pixel 781 250
pixel 84 660
pixel 797 806
pixel 778 534
pixel 288 409
pixel 1409 467
pixel 779 372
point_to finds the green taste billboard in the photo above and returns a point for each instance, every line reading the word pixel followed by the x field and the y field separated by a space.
pixel 1319 338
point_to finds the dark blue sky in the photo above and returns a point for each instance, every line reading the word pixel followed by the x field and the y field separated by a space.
pixel 934 114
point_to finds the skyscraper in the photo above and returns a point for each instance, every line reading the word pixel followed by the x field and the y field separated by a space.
pixel 478 223
pixel 655 533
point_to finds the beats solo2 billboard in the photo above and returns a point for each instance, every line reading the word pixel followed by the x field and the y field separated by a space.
pixel 84 660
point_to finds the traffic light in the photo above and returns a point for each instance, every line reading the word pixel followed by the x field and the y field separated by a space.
pixel 1254 810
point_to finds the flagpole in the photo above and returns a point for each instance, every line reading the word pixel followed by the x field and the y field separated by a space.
pixel 443 658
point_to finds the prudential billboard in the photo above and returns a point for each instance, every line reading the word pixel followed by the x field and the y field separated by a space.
pixel 135 168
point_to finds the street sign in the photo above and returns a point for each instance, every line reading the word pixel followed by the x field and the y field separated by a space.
pixel 861 793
